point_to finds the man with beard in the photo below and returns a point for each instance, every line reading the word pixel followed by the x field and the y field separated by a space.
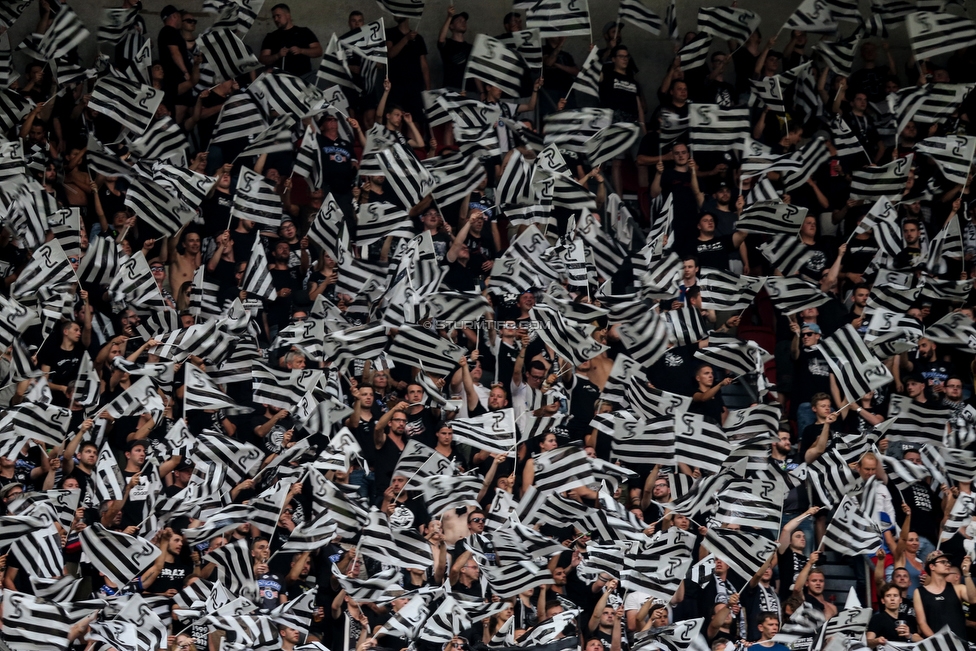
pixel 286 283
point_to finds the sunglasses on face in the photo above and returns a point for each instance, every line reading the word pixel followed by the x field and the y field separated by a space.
pixel 73 260
pixel 477 520
pixel 192 21
pixel 154 269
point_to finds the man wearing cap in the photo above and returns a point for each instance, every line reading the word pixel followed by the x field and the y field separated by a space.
pixel 938 603
pixel 811 374
pixel 289 48
pixel 177 78
pixel 9 493
pixel 455 52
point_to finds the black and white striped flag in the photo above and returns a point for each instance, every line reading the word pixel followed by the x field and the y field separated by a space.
pixel 119 556
pixel 115 23
pixel 65 33
pixel 830 476
pixel 516 578
pixel 639 442
pixel 284 93
pixel 410 180
pixel 276 138
pixel 770 91
pixel 571 341
pixel 772 218
pixel 308 161
pixel 103 161
pixel 87 386
pixel 693 55
pixel 740 358
pixel 885 181
pixel 882 220
pixel 721 290
pixel 29 212
pixel 12 161
pixel 838 55
pixel 257 278
pixel 455 176
pixel 404 8
pixel 571 130
pixel 916 422
pixel 810 158
pixel 635 13
pixel 812 16
pixel 947 243
pixel 32 624
pixel 743 551
pixel 240 117
pixel 234 568
pixel 369 41
pixel 555 18
pixel 588 78
pixel 48 269
pixel 961 514
pixel 135 284
pixel 240 460
pixel 255 199
pixel 419 347
pixel 953 154
pixel 932 34
pixel 713 128
pixel 157 206
pixel 200 392
pixel 13 108
pixel 728 23
pixel 494 431
pixel 326 226
pixel 401 548
pixel 283 388
pixel 892 298
pixel 227 55
pixel 656 566
pixel 686 326
pixel 528 44
pixel 494 63
pixel 791 295
pixel 611 142
pixel 191 187
pixel 333 68
pixel 164 139
pixel 376 221
pixel 786 253
pixel 850 532
pixel 108 482
pixel 857 370
pixel 844 140
pixel 699 444
pixel 754 502
pixel 130 104
pixel 446 492
pixel 562 469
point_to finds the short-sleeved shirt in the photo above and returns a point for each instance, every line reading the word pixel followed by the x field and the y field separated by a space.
pixel 454 57
pixel 337 157
pixel 713 253
pixel 171 36
pixel 883 625
pixel 405 70
pixel 296 64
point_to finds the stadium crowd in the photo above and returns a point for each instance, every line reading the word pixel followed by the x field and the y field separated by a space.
pixel 361 499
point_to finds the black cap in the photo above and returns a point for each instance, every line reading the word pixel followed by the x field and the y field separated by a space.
pixel 135 443
pixel 168 11
pixel 463 14
pixel 916 377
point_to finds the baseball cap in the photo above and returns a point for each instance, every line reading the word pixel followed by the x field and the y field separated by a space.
pixel 6 490
pixel 134 443
pixel 168 11
pixel 610 25
pixel 916 377
pixel 462 14
pixel 812 327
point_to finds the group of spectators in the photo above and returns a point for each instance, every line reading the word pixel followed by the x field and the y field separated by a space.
pixel 916 584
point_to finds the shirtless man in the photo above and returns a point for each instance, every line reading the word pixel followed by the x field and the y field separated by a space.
pixel 183 265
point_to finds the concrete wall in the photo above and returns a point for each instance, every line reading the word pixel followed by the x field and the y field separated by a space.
pixel 653 54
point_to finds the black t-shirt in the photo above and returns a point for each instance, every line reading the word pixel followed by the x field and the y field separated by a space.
pixel 790 563
pixel 216 215
pixel 463 278
pixel 618 91
pixel 422 426
pixel 132 510
pixel 64 366
pixel 337 157
pixel 454 55
pixel 711 409
pixel 296 64
pixel 269 589
pixel 811 375
pixel 685 206
pixel 713 253
pixel 674 372
pixel 171 36
pixel 172 577
pixel 883 625
pixel 405 70
pixel 558 80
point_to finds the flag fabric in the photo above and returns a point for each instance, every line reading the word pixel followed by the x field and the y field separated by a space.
pixel 416 346
pixel 494 63
pixel 333 69
pixel 754 502
pixel 882 220
pixel 227 55
pixel 658 565
pixel 555 18
pixel 48 269
pixel 812 16
pixel 515 578
pixel 635 13
pixel 455 175
pixel 234 569
pixel 885 181
pixel 612 142
pixel 739 358
pixel 276 138
pixel 163 139
pixel 693 55
pixel 844 140
pixel 32 624
pixel 65 33
pixel 401 548
pixel 410 180
pixel 283 388
pixel 377 220
pixel 786 253
pixel 932 34
pixel 953 154
pixel 326 226
pixel 108 482
pixel 588 79
pixel 699 444
pixel 130 104
pixel 721 290
pixel 201 393
pixel 447 492
pixel 714 128
pixel 642 441
pixel 769 90
pixel 771 218
pixel 916 423
pixel 809 159
pixel 403 8
pixel 830 477
pixel 838 55
pixel 857 370
pixel 792 295
pixel 494 431
pixel 528 44
pixel 728 23
pixel 119 556
pixel 369 41
pixel 255 199
pixel 851 532
pixel 240 117
pixel 743 551
pixel 157 206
